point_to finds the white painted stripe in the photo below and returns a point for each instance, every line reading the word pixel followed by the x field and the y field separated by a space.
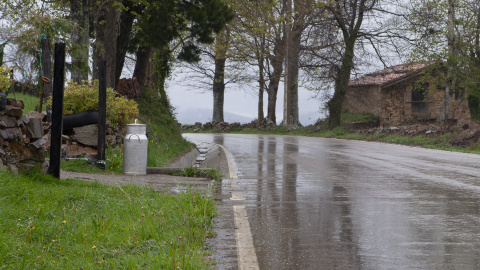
pixel 231 167
pixel 247 259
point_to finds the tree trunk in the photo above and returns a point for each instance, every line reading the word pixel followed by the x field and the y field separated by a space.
pixel 261 80
pixel 106 27
pixel 341 84
pixel 288 45
pixel 143 65
pixel 293 56
pixel 277 65
pixel 293 80
pixel 221 47
pixel 451 65
pixel 218 90
pixel 79 12
pixel 127 18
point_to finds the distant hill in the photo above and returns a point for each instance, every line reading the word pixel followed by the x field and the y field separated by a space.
pixel 309 118
pixel 191 115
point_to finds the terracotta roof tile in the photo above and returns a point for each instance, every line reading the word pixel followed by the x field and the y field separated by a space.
pixel 389 75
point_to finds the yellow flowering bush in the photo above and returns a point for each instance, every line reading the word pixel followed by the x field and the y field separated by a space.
pixel 84 97
pixel 5 81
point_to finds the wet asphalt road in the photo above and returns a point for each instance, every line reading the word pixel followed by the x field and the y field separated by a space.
pixel 316 203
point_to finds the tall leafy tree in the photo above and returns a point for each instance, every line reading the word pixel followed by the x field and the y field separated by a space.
pixel 348 16
pixel 80 15
pixel 188 23
pixel 447 32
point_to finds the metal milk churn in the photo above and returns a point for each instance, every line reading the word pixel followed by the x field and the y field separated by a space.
pixel 135 146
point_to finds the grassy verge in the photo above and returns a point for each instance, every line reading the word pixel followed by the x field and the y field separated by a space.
pixel 71 224
pixel 29 101
pixel 209 173
pixel 163 132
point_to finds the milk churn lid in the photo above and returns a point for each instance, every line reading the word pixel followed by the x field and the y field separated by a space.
pixel 136 128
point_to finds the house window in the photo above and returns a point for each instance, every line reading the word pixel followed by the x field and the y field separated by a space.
pixel 419 96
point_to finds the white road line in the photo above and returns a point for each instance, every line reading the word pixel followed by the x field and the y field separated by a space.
pixel 231 166
pixel 247 259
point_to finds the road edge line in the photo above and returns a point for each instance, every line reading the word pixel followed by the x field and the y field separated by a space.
pixel 247 258
pixel 231 170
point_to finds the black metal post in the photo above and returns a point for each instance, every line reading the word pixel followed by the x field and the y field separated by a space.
pixel 102 113
pixel 57 110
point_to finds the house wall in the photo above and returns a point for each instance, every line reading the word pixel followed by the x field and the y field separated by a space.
pixel 364 99
pixel 393 104
pixel 397 104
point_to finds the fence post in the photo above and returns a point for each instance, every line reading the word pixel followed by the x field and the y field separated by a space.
pixel 102 113
pixel 57 110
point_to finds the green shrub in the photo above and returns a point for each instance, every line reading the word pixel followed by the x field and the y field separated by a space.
pixel 5 80
pixel 84 97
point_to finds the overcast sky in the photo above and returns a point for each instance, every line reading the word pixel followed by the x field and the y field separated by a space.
pixel 240 102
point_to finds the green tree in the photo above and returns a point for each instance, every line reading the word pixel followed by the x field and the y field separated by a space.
pixel 187 23
pixel 349 16
pixel 448 32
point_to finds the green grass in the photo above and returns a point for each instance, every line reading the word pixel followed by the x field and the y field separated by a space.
pixel 356 118
pixel 71 224
pixel 165 139
pixel 29 101
pixel 210 173
pixel 114 163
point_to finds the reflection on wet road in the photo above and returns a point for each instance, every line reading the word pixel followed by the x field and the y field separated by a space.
pixel 317 203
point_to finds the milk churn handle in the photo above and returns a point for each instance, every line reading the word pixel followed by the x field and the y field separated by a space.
pixel 137 137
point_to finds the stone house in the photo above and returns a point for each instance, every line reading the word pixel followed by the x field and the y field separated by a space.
pixel 397 96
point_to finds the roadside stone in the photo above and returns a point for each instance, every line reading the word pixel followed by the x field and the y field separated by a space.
pixel 17 152
pixel 34 114
pixel 76 150
pixel 25 166
pixel 25 119
pixel 20 104
pixel 11 134
pixel 38 152
pixel 11 102
pixel 46 139
pixel 13 169
pixel 9 121
pixel 35 128
pixel 86 135
pixel 467 136
pixel 13 111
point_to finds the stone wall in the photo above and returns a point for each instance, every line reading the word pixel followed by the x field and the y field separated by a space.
pixel 366 99
pixel 82 141
pixel 393 106
pixel 22 142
